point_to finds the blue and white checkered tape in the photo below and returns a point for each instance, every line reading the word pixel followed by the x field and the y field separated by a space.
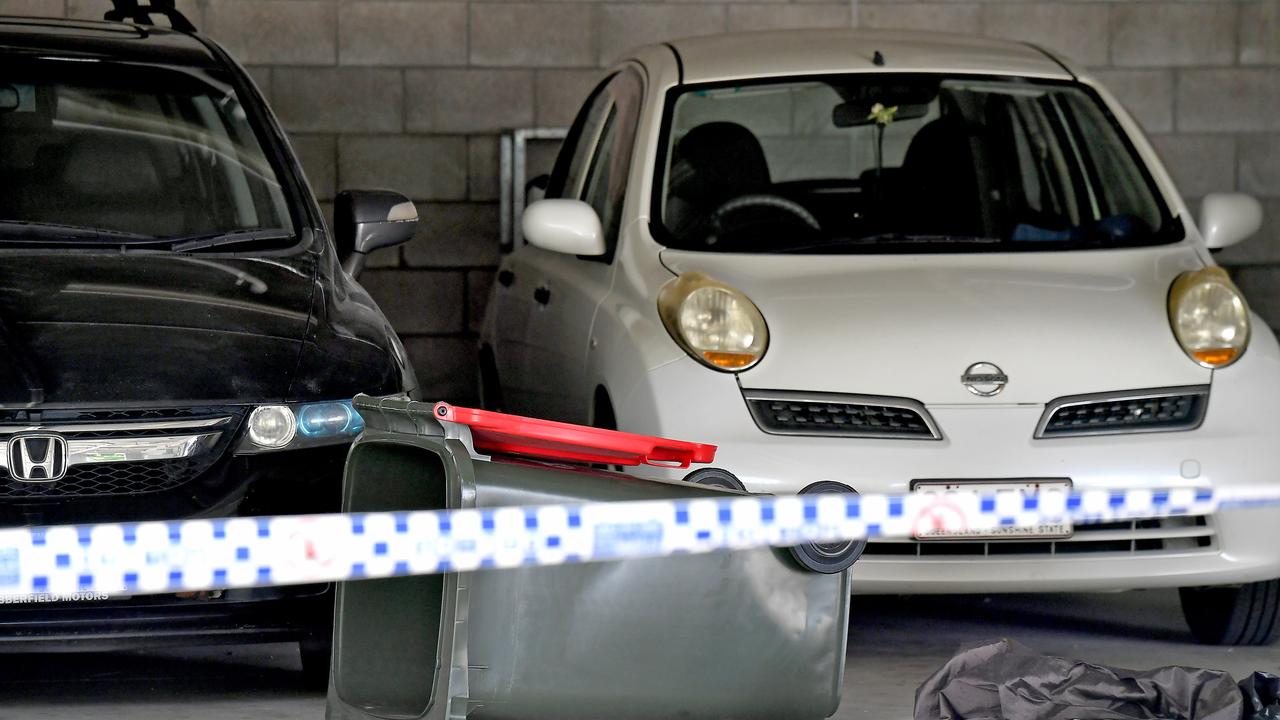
pixel 205 554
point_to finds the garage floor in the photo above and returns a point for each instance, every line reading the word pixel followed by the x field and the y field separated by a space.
pixel 895 643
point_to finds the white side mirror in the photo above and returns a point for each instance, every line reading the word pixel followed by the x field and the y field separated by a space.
pixel 564 226
pixel 1228 218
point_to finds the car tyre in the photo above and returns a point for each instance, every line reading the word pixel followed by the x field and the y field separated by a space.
pixel 1242 615
pixel 316 656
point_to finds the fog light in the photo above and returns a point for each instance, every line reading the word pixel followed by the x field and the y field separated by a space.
pixel 832 557
pixel 272 426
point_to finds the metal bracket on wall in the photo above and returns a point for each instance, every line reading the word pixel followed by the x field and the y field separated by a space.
pixel 513 169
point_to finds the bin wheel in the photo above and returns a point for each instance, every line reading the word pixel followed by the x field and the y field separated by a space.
pixel 1242 615
pixel 315 656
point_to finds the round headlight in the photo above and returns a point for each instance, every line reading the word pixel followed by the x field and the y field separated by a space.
pixel 272 426
pixel 715 323
pixel 1209 317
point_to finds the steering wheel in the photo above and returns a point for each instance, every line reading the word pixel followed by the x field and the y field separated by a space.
pixel 795 210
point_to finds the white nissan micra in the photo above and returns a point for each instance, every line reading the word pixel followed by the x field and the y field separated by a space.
pixel 904 262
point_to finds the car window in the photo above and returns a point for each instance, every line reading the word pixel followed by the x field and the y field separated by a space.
pixel 137 152
pixel 901 163
pixel 573 160
pixel 606 183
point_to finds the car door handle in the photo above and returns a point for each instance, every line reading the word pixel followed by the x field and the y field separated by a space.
pixel 542 295
pixel 506 277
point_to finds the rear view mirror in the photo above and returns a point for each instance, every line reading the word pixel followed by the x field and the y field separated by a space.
pixel 1228 218
pixel 564 226
pixel 365 220
pixel 10 100
pixel 857 112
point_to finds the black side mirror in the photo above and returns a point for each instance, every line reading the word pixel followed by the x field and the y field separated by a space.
pixel 365 220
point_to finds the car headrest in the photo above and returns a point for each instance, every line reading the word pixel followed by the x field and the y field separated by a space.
pixel 716 162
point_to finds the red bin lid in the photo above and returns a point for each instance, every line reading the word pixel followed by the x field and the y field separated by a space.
pixel 497 433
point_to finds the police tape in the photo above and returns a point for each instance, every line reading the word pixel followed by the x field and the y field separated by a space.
pixel 208 554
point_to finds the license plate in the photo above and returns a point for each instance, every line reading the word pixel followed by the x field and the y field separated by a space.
pixel 1044 531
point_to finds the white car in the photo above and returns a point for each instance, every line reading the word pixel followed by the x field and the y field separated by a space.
pixel 899 261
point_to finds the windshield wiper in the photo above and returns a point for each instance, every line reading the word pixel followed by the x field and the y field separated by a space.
pixel 894 239
pixel 233 237
pixel 22 231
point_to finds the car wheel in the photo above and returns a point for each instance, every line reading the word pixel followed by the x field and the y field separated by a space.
pixel 1244 615
pixel 490 387
pixel 316 655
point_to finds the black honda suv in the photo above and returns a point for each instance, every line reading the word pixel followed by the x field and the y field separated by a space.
pixel 180 333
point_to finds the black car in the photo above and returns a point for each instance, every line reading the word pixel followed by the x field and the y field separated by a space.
pixel 180 333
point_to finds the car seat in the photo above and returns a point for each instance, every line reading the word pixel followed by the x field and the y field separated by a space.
pixel 713 163
pixel 938 194
pixel 110 182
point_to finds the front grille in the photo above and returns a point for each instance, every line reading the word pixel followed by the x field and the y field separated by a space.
pixel 1129 537
pixel 99 479
pixel 125 477
pixel 1159 410
pixel 791 413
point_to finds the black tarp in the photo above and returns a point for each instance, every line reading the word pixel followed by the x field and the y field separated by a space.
pixel 1004 680
pixel 1261 696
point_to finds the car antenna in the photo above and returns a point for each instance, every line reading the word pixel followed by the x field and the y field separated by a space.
pixel 877 59
pixel 130 10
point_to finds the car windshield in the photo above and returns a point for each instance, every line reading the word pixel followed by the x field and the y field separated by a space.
pixel 121 153
pixel 901 163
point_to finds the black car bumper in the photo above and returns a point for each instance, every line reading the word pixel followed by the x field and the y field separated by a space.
pixel 283 483
pixel 303 613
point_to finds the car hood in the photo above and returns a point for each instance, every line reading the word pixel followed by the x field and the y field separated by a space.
pixel 1063 323
pixel 108 328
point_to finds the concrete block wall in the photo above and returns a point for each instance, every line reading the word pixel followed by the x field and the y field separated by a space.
pixel 410 94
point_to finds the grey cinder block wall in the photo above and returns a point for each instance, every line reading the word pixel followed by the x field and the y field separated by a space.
pixel 411 94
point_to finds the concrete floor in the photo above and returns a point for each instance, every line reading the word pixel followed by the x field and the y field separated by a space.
pixel 894 644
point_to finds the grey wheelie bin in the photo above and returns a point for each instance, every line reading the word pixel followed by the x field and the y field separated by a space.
pixel 734 634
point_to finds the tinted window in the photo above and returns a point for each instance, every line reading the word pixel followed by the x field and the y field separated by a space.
pixel 901 163
pixel 606 185
pixel 574 158
pixel 140 151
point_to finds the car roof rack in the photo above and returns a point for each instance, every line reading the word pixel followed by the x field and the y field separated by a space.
pixel 131 11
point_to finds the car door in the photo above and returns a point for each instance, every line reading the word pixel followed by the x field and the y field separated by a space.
pixel 515 297
pixel 568 289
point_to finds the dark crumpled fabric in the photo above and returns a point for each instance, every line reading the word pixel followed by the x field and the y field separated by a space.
pixel 1261 696
pixel 1007 681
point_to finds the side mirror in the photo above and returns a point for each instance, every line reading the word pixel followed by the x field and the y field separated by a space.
pixel 564 226
pixel 1228 218
pixel 365 220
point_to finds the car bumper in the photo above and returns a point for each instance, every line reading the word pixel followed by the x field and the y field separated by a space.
pixel 286 483
pixel 1235 447
pixel 273 615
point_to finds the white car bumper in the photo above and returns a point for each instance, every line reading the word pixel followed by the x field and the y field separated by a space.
pixel 1238 445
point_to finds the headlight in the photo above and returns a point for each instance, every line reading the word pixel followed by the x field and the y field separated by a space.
pixel 290 427
pixel 1209 317
pixel 715 323
pixel 337 418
